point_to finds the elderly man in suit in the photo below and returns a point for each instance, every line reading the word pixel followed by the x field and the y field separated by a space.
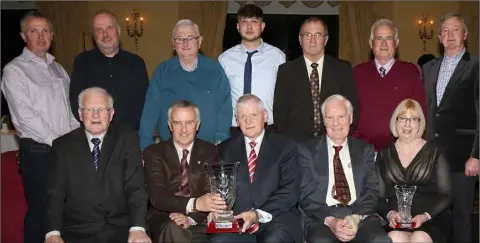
pixel 267 182
pixel 177 181
pixel 304 83
pixel 339 188
pixel 451 84
pixel 96 191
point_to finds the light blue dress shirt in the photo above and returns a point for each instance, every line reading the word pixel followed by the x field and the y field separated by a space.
pixel 264 73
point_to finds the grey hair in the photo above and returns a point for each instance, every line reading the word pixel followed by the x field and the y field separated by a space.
pixel 453 15
pixel 34 14
pixel 106 12
pixel 94 90
pixel 338 97
pixel 183 104
pixel 250 97
pixel 383 22
pixel 184 22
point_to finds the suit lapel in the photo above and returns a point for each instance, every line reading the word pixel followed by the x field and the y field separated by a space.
pixel 302 66
pixel 456 76
pixel 84 151
pixel 433 77
pixel 262 166
pixel 320 160
pixel 325 79
pixel 194 169
pixel 355 161
pixel 109 142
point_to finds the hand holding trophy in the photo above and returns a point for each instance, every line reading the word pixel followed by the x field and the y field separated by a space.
pixel 222 178
pixel 404 201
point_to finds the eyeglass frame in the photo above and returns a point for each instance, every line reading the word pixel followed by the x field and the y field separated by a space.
pixel 317 35
pixel 100 110
pixel 409 119
pixel 181 39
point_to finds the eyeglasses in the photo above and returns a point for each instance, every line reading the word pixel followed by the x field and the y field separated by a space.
pixel 188 39
pixel 100 110
pixel 309 36
pixel 402 119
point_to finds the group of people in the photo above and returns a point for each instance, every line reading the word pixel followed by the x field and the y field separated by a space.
pixel 321 145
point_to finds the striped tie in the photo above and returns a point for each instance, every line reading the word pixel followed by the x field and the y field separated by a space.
pixel 184 189
pixel 96 151
pixel 252 160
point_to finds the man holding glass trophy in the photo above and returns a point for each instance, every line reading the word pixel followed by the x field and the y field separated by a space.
pixel 265 188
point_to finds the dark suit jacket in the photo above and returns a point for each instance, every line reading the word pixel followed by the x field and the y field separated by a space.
pixel 314 163
pixel 162 167
pixel 293 105
pixel 81 200
pixel 275 185
pixel 454 123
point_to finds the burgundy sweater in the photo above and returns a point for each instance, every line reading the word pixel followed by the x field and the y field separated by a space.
pixel 378 97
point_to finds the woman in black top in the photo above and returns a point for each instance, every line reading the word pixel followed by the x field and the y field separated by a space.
pixel 413 161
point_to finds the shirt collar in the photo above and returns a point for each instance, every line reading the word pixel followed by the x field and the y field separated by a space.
pixel 330 143
pixel 309 63
pixel 195 65
pixel 180 149
pixel 30 56
pixel 257 140
pixel 386 66
pixel 456 57
pixel 90 136
pixel 260 48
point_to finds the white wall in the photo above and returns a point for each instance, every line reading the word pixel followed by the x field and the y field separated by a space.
pixel 297 8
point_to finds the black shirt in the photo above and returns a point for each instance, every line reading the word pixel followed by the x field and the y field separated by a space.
pixel 124 76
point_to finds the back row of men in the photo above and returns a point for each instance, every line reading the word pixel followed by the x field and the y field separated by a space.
pixel 41 96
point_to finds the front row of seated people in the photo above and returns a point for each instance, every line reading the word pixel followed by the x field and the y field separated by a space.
pixel 327 189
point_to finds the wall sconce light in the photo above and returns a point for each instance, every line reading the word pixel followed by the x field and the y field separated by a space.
pixel 136 32
pixel 425 29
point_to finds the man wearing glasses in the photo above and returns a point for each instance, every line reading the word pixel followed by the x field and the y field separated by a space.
pixel 382 84
pixel 304 83
pixel 188 76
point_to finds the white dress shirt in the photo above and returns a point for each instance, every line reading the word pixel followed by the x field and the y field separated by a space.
pixel 266 217
pixel 319 68
pixel 387 65
pixel 347 168
pixel 91 145
pixel 264 73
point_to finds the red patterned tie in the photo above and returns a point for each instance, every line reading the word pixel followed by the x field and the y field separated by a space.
pixel 184 189
pixel 315 86
pixel 340 190
pixel 252 160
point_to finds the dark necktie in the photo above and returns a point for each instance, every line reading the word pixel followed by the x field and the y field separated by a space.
pixel 315 86
pixel 184 189
pixel 96 151
pixel 247 75
pixel 383 71
pixel 340 190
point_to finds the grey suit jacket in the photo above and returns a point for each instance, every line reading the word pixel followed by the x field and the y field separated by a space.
pixel 313 160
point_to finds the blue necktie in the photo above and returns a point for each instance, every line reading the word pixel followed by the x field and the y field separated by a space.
pixel 96 151
pixel 247 76
pixel 383 71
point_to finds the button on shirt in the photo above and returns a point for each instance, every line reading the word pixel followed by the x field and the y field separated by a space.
pixel 446 71
pixel 266 217
pixel 36 90
pixel 264 73
pixel 319 69
pixel 387 66
pixel 347 168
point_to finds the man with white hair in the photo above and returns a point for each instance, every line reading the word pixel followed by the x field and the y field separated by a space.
pixel 339 188
pixel 383 83
pixel 188 76
pixel 121 73
pixel 96 191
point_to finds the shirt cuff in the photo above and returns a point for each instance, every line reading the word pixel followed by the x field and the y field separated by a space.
pixel 52 233
pixel 191 221
pixel 266 217
pixel 135 228
pixel 189 208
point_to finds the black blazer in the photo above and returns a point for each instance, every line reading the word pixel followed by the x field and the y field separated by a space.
pixel 454 122
pixel 162 167
pixel 293 105
pixel 275 187
pixel 81 200
pixel 314 163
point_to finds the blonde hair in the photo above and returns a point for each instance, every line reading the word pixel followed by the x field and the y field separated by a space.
pixel 415 109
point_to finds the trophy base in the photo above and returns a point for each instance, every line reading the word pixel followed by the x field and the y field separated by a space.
pixel 405 225
pixel 223 227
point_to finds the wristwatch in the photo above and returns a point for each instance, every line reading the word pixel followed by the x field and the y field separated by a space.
pixel 194 208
